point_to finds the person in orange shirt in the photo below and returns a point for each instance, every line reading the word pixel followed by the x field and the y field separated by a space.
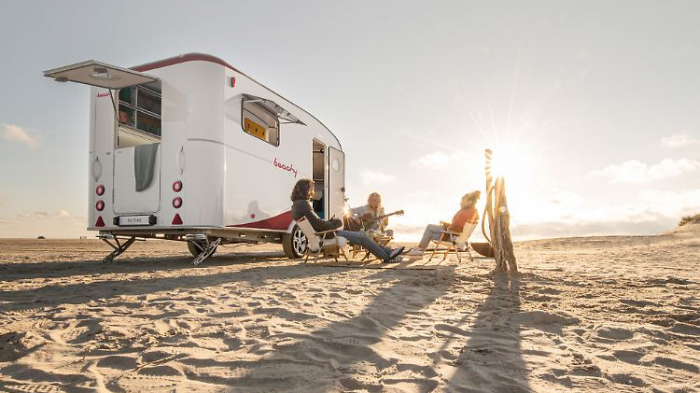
pixel 466 214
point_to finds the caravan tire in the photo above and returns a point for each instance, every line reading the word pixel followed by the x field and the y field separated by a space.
pixel 196 251
pixel 294 244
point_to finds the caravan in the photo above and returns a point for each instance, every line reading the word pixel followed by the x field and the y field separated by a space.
pixel 191 149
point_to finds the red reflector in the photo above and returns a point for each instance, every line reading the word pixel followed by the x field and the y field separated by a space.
pixel 177 186
pixel 177 202
pixel 177 220
pixel 100 190
pixel 100 205
pixel 100 222
pixel 233 81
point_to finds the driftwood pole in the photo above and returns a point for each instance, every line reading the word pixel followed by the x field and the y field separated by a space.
pixel 498 216
pixel 488 211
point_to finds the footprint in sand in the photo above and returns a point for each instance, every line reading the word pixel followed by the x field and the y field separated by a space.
pixel 76 333
pixel 626 379
pixel 628 356
pixel 676 364
pixel 118 362
pixel 134 382
pixel 613 333
pixel 32 387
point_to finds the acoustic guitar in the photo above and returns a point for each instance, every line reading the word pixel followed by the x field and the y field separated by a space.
pixel 352 224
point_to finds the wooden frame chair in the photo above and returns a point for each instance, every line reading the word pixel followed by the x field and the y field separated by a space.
pixel 454 241
pixel 321 242
pixel 355 249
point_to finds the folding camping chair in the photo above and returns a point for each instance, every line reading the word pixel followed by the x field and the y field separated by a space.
pixel 322 242
pixel 455 241
pixel 382 240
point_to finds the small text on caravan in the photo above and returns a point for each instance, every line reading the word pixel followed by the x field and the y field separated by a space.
pixel 289 168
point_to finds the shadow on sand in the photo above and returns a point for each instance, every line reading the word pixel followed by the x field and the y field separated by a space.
pixel 492 359
pixel 65 292
pixel 126 264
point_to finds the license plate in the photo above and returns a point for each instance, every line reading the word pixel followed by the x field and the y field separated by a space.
pixel 134 220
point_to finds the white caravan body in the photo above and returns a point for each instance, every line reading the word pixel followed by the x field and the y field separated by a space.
pixel 225 152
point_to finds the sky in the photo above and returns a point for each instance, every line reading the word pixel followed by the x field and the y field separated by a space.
pixel 592 108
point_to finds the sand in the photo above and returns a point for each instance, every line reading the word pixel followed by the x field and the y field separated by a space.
pixel 585 314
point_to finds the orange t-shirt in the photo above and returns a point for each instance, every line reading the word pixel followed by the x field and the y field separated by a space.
pixel 463 216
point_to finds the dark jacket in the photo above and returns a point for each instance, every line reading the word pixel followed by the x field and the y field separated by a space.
pixel 302 208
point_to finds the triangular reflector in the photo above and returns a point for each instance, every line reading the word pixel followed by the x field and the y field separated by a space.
pixel 177 220
pixel 100 222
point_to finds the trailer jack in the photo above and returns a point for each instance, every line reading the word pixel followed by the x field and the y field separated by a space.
pixel 119 248
pixel 207 250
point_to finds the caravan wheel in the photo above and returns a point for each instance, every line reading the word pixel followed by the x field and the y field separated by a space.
pixel 196 249
pixel 294 244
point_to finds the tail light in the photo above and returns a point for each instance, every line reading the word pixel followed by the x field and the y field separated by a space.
pixel 100 205
pixel 177 186
pixel 177 202
pixel 100 190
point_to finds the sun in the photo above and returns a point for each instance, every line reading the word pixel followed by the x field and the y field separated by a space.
pixel 511 163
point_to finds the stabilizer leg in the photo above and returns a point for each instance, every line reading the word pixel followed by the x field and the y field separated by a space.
pixel 119 248
pixel 206 253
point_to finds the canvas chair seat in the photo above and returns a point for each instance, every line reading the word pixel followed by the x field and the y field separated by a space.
pixel 456 242
pixel 327 241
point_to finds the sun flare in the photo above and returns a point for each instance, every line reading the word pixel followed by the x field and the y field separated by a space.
pixel 510 162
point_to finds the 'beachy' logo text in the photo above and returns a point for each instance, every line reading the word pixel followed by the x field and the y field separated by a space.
pixel 289 168
pixel 100 95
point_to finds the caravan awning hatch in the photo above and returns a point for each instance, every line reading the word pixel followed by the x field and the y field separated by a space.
pixel 98 74
pixel 273 108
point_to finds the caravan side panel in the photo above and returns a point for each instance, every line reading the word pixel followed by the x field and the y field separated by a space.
pixel 260 176
pixel 205 164
pixel 100 166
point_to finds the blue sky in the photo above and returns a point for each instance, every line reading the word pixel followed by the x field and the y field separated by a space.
pixel 592 106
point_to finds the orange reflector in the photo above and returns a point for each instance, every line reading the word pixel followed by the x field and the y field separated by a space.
pixel 177 220
pixel 100 222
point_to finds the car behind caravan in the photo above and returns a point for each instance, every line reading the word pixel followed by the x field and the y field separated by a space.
pixel 191 149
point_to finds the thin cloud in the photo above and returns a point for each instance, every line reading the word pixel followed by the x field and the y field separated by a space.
pixel 16 133
pixel 681 139
pixel 62 213
pixel 435 160
pixel 375 177
pixel 634 171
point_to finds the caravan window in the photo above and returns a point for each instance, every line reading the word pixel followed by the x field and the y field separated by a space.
pixel 139 115
pixel 260 123
pixel 261 118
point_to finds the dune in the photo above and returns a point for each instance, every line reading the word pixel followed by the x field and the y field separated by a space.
pixel 613 313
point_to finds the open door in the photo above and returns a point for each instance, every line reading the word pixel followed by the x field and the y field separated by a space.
pixel 98 74
pixel 336 182
pixel 131 123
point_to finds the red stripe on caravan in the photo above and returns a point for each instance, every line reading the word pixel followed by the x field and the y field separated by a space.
pixel 182 59
pixel 281 222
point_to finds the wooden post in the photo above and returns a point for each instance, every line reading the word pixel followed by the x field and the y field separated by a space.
pixel 498 216
pixel 504 251
pixel 488 211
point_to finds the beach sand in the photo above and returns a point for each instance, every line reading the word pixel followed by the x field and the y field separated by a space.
pixel 585 314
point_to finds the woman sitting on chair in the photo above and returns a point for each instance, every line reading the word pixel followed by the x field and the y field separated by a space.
pixel 466 214
pixel 301 197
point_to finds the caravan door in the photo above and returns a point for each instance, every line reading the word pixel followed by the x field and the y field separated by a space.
pixel 137 153
pixel 129 124
pixel 336 182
